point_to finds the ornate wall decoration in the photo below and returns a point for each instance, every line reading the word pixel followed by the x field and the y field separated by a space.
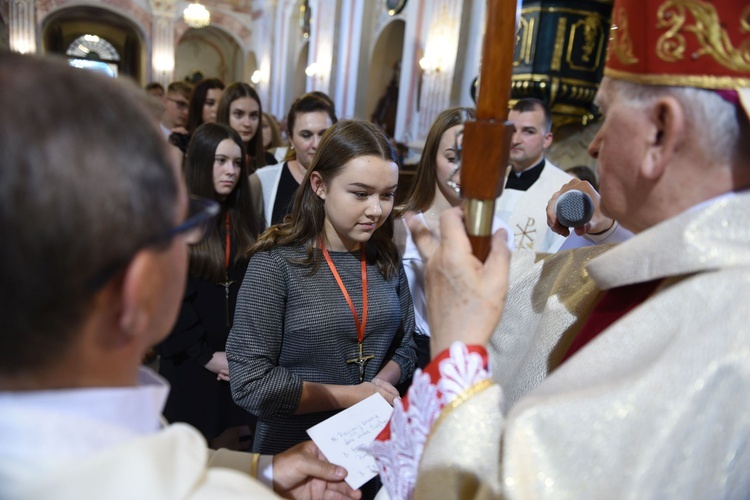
pixel 586 44
pixel 524 42
pixel 129 8
pixel 560 55
pixel 305 17
pixel 394 6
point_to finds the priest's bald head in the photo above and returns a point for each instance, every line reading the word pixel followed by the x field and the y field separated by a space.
pixel 675 104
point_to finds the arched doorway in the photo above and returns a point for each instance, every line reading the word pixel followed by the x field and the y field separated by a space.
pixel 210 52
pixel 383 76
pixel 95 53
pixel 105 29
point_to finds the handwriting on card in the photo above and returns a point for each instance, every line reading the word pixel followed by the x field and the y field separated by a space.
pixel 344 437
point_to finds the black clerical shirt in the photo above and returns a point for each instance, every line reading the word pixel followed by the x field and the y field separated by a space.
pixel 525 179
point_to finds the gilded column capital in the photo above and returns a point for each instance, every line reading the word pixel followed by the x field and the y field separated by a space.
pixel 163 8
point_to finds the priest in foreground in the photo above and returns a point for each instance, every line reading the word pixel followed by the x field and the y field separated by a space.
pixel 95 222
pixel 622 371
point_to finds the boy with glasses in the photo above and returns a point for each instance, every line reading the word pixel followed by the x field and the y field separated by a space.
pixel 177 102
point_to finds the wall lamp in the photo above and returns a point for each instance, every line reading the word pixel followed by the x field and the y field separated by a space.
pixel 314 70
pixel 431 64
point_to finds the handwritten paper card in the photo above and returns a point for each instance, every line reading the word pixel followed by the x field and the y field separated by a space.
pixel 342 437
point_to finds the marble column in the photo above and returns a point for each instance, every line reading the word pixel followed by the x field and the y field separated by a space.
pixel 23 26
pixel 162 40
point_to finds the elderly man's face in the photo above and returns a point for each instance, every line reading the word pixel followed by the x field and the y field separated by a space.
pixel 620 146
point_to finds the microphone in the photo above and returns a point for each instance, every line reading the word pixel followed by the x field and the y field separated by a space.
pixel 574 208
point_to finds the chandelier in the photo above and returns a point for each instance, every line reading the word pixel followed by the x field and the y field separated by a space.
pixel 196 15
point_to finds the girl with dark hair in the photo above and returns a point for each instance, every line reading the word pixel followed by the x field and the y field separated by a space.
pixel 193 357
pixel 308 119
pixel 326 320
pixel 436 187
pixel 240 108
pixel 204 103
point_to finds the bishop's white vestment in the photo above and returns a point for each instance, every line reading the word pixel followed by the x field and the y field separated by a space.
pixel 653 407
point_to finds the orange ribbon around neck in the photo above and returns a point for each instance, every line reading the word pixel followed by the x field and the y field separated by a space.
pixel 360 360
pixel 360 325
pixel 227 281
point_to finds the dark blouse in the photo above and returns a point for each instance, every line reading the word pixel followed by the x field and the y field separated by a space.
pixel 292 327
pixel 196 396
pixel 284 195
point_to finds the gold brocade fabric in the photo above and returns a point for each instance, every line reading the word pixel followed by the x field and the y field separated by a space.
pixel 654 407
pixel 541 317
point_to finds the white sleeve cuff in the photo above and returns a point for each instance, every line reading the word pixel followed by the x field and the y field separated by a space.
pixel 265 470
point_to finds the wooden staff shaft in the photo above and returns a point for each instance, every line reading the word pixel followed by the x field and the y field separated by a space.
pixel 486 141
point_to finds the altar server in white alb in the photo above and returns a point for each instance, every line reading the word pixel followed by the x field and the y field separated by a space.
pixel 636 356
pixel 531 179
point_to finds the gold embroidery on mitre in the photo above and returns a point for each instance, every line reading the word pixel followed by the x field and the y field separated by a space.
pixel 745 20
pixel 712 38
pixel 620 43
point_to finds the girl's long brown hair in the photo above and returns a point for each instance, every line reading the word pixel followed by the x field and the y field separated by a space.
pixel 343 142
pixel 207 257
pixel 238 90
pixel 422 191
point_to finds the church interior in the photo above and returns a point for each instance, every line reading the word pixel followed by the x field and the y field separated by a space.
pixel 398 63
pixel 404 291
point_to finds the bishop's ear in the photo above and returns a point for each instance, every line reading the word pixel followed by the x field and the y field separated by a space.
pixel 318 185
pixel 667 135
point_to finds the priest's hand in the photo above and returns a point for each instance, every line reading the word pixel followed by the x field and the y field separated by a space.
pixel 302 472
pixel 598 223
pixel 465 297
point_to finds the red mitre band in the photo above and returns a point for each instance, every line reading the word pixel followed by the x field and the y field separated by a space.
pixel 685 43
